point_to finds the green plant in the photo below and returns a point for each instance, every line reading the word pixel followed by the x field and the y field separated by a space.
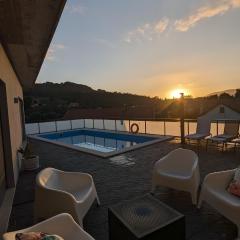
pixel 27 151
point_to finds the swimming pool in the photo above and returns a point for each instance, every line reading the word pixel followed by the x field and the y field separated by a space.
pixel 99 142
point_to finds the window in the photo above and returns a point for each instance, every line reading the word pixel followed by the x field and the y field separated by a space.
pixel 7 174
pixel 221 110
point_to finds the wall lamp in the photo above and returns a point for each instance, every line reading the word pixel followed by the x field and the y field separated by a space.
pixel 16 99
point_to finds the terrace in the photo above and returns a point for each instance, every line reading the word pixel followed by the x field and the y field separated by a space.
pixel 125 177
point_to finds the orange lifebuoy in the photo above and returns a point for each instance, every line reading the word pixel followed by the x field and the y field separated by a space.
pixel 136 130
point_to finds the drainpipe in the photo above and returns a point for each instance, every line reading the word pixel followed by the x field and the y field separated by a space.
pixel 182 118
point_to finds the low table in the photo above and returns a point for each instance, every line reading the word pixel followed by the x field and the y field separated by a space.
pixel 145 218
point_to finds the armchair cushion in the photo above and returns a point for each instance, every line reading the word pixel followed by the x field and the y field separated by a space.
pixel 36 236
pixel 234 186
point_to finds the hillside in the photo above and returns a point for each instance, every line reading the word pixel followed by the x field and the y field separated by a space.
pixel 228 91
pixel 49 101
pixel 52 101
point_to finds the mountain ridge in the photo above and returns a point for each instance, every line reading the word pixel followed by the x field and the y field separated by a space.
pixel 228 91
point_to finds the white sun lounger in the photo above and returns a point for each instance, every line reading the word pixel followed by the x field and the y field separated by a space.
pixel 202 131
pixel 230 132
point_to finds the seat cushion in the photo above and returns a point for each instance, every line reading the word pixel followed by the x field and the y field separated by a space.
pixel 234 186
pixel 218 139
pixel 196 136
pixel 36 236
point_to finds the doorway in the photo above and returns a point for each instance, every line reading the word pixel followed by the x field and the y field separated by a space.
pixel 2 166
pixel 6 164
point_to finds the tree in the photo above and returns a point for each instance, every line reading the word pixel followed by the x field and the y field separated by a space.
pixel 225 96
pixel 215 97
pixel 237 94
pixel 27 102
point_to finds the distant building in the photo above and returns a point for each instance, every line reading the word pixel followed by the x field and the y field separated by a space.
pixel 73 105
pixel 222 111
pixel 35 103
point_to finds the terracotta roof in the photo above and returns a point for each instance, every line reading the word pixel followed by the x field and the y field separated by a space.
pixel 111 113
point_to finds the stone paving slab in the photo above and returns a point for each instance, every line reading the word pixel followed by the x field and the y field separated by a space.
pixel 124 177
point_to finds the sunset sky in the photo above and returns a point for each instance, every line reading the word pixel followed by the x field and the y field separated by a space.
pixel 149 47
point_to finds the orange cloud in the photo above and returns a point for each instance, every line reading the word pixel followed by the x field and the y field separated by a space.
pixel 202 13
pixel 147 31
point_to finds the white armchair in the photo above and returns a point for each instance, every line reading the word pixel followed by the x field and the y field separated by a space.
pixel 62 225
pixel 63 192
pixel 178 170
pixel 214 192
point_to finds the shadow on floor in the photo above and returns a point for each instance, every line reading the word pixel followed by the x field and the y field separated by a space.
pixel 124 177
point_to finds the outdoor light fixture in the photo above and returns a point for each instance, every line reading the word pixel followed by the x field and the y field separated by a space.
pixel 16 99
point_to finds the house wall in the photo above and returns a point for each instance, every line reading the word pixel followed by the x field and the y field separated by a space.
pixel 14 89
pixel 215 113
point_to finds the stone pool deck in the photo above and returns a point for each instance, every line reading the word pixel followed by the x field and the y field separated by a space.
pixel 124 177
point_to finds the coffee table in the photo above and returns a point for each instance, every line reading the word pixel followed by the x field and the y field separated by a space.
pixel 145 218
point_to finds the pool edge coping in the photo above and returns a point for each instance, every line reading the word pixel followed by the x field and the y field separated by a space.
pixel 161 138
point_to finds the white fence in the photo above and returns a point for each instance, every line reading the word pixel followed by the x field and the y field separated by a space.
pixel 161 127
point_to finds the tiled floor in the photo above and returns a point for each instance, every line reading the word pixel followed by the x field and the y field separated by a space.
pixel 124 177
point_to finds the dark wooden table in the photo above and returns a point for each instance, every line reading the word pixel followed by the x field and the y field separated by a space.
pixel 145 218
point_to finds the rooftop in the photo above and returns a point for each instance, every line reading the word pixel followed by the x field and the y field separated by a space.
pixel 125 177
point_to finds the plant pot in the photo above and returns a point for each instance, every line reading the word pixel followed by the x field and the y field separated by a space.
pixel 31 163
pixel 20 159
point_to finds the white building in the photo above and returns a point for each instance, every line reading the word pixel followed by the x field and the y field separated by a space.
pixel 221 112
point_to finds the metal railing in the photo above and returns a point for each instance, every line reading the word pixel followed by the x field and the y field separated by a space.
pixel 145 125
pixel 161 126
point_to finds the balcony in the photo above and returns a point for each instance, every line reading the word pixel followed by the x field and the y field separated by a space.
pixel 125 177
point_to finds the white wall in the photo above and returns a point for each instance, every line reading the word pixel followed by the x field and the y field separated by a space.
pixel 14 89
pixel 215 114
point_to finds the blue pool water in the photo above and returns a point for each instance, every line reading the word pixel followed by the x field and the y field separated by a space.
pixel 104 142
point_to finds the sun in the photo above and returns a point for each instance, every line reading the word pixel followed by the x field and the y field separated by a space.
pixel 176 93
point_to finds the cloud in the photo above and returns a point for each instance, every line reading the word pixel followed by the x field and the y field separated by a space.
pixel 205 12
pixel 161 26
pixel 147 31
pixel 51 53
pixel 235 3
pixel 76 8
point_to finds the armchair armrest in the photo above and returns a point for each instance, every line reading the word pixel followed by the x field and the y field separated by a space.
pixel 62 225
pixel 218 179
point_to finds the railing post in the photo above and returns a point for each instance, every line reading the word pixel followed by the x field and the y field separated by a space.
pixel 56 126
pixel 71 124
pixel 182 127
pixel 93 124
pixel 164 127
pixel 84 124
pixel 129 125
pixel 39 127
pixel 104 124
pixel 115 125
pixel 145 126
pixel 188 127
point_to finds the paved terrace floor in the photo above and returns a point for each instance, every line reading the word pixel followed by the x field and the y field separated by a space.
pixel 124 177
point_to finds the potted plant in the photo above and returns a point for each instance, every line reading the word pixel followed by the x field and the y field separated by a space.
pixel 29 160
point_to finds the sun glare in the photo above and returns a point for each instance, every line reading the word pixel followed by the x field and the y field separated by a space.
pixel 176 93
